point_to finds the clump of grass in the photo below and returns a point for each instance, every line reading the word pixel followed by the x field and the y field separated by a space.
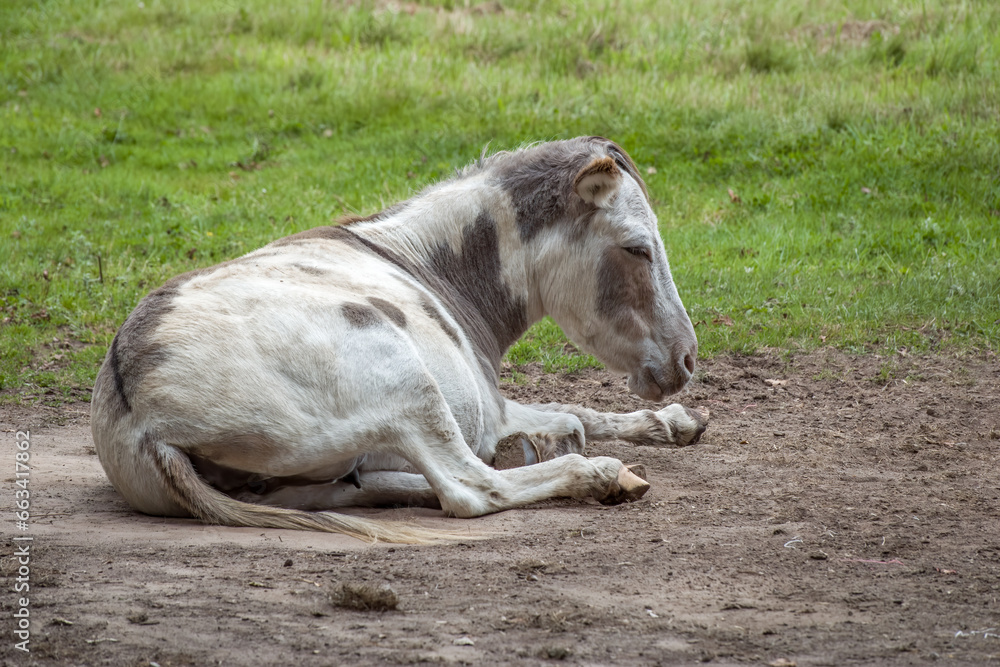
pixel 890 52
pixel 765 57
pixel 836 120
pixel 365 597
pixel 953 59
pixel 545 343
pixel 887 372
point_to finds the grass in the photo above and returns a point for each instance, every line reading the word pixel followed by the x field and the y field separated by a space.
pixel 827 176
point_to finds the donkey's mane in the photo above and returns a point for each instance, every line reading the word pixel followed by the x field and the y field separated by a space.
pixel 570 153
pixel 555 150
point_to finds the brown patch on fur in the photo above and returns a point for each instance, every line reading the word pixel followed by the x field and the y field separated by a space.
pixel 540 184
pixel 107 385
pixel 541 180
pixel 389 310
pixel 359 315
pixel 494 318
pixel 436 315
pixel 625 291
pixel 133 353
pixel 311 270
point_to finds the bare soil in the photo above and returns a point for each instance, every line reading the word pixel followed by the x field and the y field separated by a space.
pixel 839 510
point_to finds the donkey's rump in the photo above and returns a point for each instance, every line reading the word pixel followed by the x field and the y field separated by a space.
pixel 277 349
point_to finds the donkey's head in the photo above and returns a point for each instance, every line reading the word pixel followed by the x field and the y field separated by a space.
pixel 601 270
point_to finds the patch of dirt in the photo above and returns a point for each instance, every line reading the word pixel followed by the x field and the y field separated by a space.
pixel 850 33
pixel 839 510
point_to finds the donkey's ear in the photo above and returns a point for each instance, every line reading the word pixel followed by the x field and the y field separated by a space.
pixel 598 181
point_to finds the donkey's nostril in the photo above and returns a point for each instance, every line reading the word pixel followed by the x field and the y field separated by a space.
pixel 689 363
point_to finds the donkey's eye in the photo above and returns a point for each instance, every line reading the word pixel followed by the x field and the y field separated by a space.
pixel 640 251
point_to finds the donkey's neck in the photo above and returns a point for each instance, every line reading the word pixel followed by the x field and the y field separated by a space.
pixel 461 242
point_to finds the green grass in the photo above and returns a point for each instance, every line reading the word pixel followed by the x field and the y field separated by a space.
pixel 859 140
pixel 545 343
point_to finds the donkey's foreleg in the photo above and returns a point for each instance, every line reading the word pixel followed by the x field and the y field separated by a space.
pixel 428 437
pixel 468 487
pixel 674 425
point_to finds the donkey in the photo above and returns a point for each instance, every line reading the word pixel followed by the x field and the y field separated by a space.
pixel 358 364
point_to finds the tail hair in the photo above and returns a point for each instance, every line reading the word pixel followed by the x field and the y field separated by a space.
pixel 214 507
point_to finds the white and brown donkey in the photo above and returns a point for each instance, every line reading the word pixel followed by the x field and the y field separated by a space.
pixel 358 364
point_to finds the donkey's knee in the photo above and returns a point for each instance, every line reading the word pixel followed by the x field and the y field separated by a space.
pixel 467 502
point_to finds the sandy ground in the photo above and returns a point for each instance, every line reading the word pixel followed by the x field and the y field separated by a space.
pixel 839 510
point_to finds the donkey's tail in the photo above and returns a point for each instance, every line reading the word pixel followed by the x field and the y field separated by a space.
pixel 212 506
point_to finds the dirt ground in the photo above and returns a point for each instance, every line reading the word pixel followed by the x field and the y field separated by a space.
pixel 839 511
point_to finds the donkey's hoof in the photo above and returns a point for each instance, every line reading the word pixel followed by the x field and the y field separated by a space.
pixel 639 470
pixel 628 487
pixel 690 436
pixel 513 452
